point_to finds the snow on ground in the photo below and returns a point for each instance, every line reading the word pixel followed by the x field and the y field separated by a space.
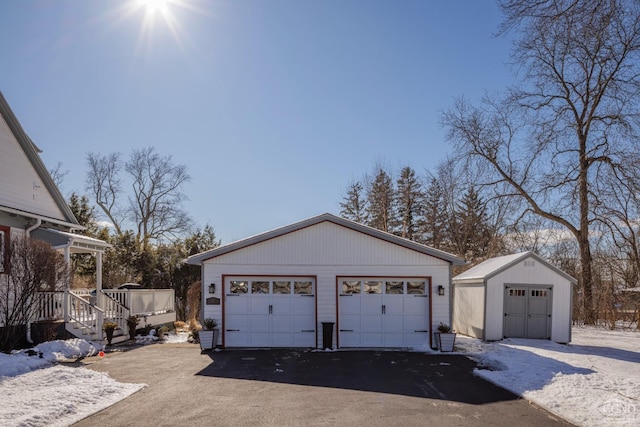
pixel 58 395
pixel 593 381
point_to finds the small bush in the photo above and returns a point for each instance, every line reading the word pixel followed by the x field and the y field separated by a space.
pixel 109 326
pixel 180 325
pixel 209 324
pixel 162 331
pixel 444 328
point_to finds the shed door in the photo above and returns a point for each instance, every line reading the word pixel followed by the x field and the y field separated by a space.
pixel 527 312
pixel 383 312
pixel 270 312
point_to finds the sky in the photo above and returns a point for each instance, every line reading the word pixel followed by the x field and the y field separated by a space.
pixel 274 106
pixel 594 381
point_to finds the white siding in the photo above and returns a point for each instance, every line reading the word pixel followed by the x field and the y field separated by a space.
pixel 536 274
pixel 21 186
pixel 326 251
pixel 468 309
pixel 327 243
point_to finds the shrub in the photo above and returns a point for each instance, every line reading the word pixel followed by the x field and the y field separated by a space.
pixel 109 326
pixel 444 328
pixel 209 324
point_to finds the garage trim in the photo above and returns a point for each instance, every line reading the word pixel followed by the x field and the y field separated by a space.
pixel 284 276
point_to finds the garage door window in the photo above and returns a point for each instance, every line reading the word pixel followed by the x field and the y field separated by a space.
pixel 239 287
pixel 281 287
pixel 302 288
pixel 394 288
pixel 259 287
pixel 539 293
pixel 416 288
pixel 372 287
pixel 350 287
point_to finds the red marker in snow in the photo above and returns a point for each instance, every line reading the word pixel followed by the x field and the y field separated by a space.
pixel 101 354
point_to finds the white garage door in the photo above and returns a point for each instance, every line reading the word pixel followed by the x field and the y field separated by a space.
pixel 270 312
pixel 383 312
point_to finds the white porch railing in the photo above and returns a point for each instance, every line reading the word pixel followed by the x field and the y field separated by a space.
pixel 50 306
pixel 83 314
pixel 144 301
pixel 84 310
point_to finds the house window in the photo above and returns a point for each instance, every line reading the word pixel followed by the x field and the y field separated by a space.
pixel 4 249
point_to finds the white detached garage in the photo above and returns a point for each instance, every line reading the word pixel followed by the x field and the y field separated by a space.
pixel 276 289
pixel 514 296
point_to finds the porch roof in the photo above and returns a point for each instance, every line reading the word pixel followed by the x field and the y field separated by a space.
pixel 76 243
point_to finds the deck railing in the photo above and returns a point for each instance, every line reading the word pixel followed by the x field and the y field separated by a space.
pixel 144 301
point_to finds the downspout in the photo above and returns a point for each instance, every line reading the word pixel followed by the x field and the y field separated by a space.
pixel 33 227
pixel 28 233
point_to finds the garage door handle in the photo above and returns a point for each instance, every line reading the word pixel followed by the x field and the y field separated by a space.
pixel 233 295
pixel 384 309
pixel 307 295
pixel 307 330
pixel 270 309
pixel 346 330
pixel 426 330
pixel 233 330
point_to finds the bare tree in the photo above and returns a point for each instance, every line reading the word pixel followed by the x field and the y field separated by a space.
pixel 58 174
pixel 156 196
pixel 105 184
pixel 575 118
pixel 34 267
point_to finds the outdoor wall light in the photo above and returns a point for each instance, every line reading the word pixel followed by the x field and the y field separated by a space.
pixel 440 290
pixel 212 288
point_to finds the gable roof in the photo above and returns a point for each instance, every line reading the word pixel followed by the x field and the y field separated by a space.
pixel 32 153
pixel 326 217
pixel 493 266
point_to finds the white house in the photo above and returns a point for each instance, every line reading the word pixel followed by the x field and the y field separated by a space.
pixel 367 288
pixel 513 296
pixel 31 205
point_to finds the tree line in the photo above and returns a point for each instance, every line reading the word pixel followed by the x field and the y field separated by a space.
pixel 555 158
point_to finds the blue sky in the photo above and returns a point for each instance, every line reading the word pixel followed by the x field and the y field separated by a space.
pixel 273 105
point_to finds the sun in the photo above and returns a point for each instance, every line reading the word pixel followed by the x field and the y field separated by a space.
pixel 153 6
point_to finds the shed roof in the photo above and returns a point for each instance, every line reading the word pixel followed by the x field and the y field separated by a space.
pixel 388 237
pixel 491 267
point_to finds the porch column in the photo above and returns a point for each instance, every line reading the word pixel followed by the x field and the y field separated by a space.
pixel 98 271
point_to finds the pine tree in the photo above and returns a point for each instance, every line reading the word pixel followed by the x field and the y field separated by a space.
pixel 379 201
pixel 434 215
pixel 472 232
pixel 408 200
pixel 354 204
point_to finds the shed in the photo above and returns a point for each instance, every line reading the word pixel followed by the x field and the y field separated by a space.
pixel 282 288
pixel 513 296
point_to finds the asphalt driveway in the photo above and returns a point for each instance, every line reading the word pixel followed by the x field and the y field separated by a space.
pixel 291 388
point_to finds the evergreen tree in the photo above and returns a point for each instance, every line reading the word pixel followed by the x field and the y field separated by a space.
pixel 354 204
pixel 380 201
pixel 408 200
pixel 434 222
pixel 472 232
